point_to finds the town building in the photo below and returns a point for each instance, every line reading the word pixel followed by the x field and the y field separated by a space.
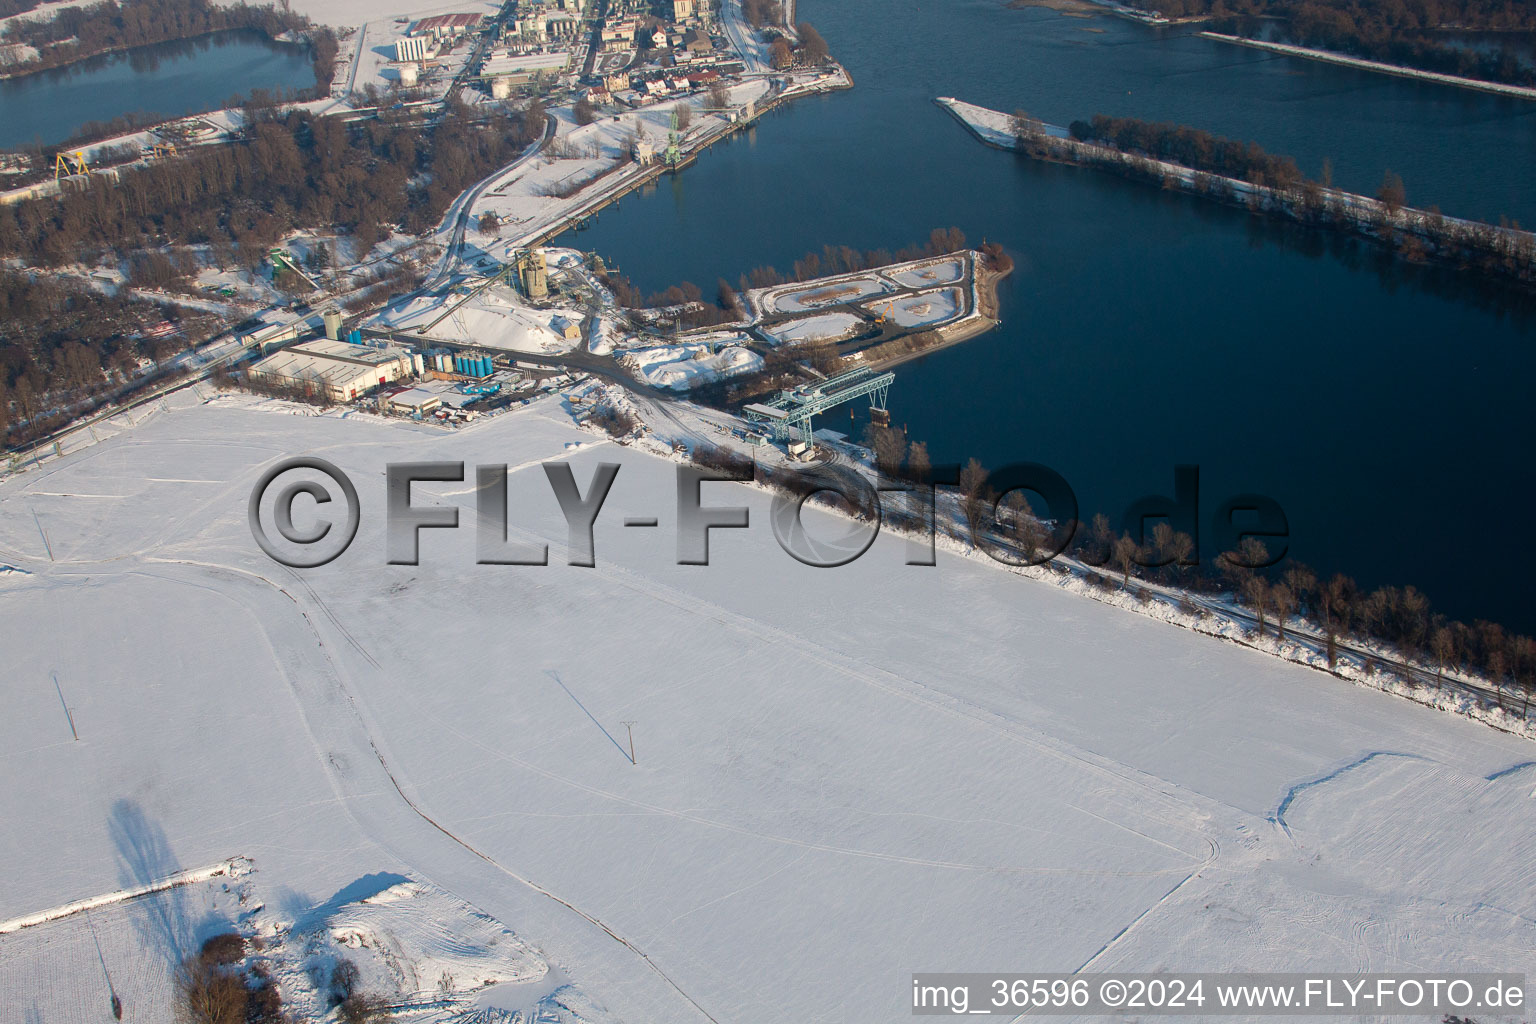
pixel 621 31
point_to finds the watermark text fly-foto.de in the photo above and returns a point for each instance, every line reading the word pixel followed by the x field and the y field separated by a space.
pixel 305 512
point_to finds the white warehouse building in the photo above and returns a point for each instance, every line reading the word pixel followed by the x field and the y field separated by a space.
pixel 340 370
pixel 412 48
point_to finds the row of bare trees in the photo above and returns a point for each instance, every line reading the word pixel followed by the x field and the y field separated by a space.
pixel 1407 32
pixel 1273 187
pixel 844 259
pixel 810 49
pixel 1396 619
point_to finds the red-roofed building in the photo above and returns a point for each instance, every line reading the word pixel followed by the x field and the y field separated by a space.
pixel 441 26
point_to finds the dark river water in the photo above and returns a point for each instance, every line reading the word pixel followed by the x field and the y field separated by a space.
pixel 170 79
pixel 1387 410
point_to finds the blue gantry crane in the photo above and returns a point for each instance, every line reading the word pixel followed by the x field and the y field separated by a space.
pixel 794 409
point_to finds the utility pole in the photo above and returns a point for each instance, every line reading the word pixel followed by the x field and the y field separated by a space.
pixel 67 713
pixel 116 1002
pixel 630 727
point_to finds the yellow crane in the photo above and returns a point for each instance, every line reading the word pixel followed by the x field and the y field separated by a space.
pixel 68 164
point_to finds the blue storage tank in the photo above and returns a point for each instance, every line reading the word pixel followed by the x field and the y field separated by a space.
pixel 485 366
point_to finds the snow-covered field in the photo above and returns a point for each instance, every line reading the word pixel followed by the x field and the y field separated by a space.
pixel 923 309
pixel 924 275
pixel 357 12
pixel 842 775
pixel 828 291
pixel 833 326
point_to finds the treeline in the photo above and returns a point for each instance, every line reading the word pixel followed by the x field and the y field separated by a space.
pixel 1180 144
pixel 685 301
pixel 62 342
pixel 1419 236
pixel 292 171
pixel 809 50
pixel 761 13
pixel 1403 32
pixel 1397 618
pixel 78 32
pixel 843 259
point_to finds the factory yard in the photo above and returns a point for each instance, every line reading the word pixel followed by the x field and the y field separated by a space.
pixel 685 366
pixel 494 317
pixel 830 811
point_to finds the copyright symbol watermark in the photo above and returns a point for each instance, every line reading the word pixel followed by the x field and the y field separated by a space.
pixel 318 541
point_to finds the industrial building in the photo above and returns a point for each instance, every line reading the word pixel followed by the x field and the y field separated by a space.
pixel 335 368
pixel 413 48
pixel 535 274
pixel 415 401
pixel 522 70
pixel 446 26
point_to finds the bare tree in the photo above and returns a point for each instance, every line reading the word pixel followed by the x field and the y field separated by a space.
pixel 889 446
pixel 360 1008
pixel 684 114
pixel 1284 601
pixel 973 500
pixel 1256 593
pixel 919 467
pixel 1392 196
pixel 780 55
pixel 207 993
pixel 1025 129
pixel 1442 643
pixel 1027 530
pixel 1125 554
pixel 812 46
